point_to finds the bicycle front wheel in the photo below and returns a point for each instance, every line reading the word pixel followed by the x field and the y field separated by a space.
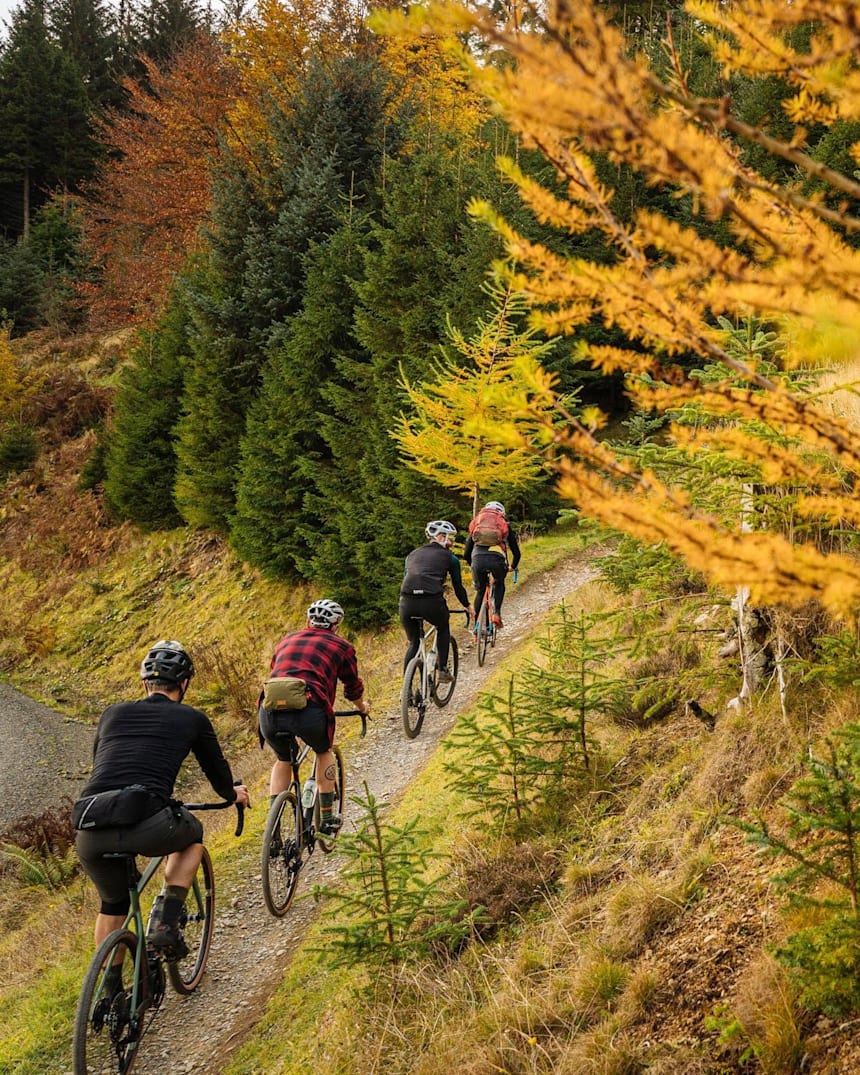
pixel 413 704
pixel 196 924
pixel 442 691
pixel 327 842
pixel 282 853
pixel 483 635
pixel 107 1032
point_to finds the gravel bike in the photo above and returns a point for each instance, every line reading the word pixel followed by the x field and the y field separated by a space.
pixel 293 825
pixel 115 1010
pixel 421 683
pixel 485 628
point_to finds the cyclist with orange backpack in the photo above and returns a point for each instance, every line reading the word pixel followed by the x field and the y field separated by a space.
pixel 486 552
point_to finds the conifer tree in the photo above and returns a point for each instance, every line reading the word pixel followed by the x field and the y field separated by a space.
pixel 577 94
pixel 390 904
pixel 263 228
pixel 47 141
pixel 277 525
pixel 461 430
pixel 140 456
pixel 86 32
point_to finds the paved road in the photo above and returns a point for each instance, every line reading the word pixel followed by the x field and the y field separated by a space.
pixel 43 757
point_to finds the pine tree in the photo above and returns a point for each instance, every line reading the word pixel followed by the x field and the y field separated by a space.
pixel 86 32
pixel 327 151
pixel 44 116
pixel 140 457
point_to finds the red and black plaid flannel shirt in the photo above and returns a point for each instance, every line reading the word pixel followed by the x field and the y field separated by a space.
pixel 320 658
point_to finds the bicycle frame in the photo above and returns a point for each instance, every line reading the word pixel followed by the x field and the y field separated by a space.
pixel 485 629
pixel 421 683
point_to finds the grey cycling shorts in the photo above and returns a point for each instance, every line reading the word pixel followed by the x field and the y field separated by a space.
pixel 171 829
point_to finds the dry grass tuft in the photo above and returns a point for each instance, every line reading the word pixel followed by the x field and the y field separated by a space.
pixel 769 1017
pixel 506 881
pixel 641 907
pixel 605 1050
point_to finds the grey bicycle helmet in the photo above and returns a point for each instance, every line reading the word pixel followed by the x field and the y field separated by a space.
pixel 167 660
pixel 440 526
pixel 325 613
pixel 495 506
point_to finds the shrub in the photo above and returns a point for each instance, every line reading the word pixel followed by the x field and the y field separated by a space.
pixel 19 448
pixel 39 848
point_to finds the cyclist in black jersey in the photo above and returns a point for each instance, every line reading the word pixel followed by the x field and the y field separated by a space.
pixel 421 592
pixel 127 803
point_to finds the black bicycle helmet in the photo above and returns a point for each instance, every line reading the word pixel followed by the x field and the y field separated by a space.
pixel 168 661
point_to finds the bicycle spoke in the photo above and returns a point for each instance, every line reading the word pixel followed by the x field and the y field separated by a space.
pixel 281 855
pixel 413 703
pixel 483 633
pixel 107 1032
pixel 442 691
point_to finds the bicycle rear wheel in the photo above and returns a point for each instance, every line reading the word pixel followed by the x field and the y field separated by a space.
pixel 327 842
pixel 282 853
pixel 442 691
pixel 413 704
pixel 483 636
pixel 105 1037
pixel 196 923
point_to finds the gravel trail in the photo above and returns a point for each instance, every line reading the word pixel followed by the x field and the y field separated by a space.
pixel 45 756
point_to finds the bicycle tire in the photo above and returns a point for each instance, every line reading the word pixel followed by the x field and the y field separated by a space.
pixel 196 923
pixel 483 633
pixel 413 704
pixel 282 854
pixel 104 1041
pixel 442 691
pixel 327 842
pixel 493 630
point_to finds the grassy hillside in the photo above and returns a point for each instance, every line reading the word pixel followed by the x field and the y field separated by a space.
pixel 628 920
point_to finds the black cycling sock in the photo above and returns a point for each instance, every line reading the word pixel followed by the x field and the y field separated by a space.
pixel 326 805
pixel 174 901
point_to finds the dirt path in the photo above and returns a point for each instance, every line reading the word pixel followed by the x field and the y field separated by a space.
pixel 197 1035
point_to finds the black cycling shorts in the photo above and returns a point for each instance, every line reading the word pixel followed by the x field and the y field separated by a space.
pixel 171 829
pixel 312 725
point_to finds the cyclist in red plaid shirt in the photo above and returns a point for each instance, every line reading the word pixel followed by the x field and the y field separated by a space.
pixel 320 657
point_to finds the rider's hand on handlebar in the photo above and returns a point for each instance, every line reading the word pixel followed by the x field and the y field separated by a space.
pixel 242 796
pixel 363 707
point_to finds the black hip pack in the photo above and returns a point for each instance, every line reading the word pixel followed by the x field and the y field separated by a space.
pixel 110 809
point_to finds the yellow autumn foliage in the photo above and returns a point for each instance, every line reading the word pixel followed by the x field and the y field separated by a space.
pixel 573 90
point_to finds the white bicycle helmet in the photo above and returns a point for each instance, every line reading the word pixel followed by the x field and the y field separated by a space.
pixel 440 526
pixel 325 613
pixel 496 506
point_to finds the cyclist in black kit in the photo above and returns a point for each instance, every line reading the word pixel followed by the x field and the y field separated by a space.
pixel 127 804
pixel 421 592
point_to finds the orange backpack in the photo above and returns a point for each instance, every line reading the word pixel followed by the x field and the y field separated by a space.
pixel 489 527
